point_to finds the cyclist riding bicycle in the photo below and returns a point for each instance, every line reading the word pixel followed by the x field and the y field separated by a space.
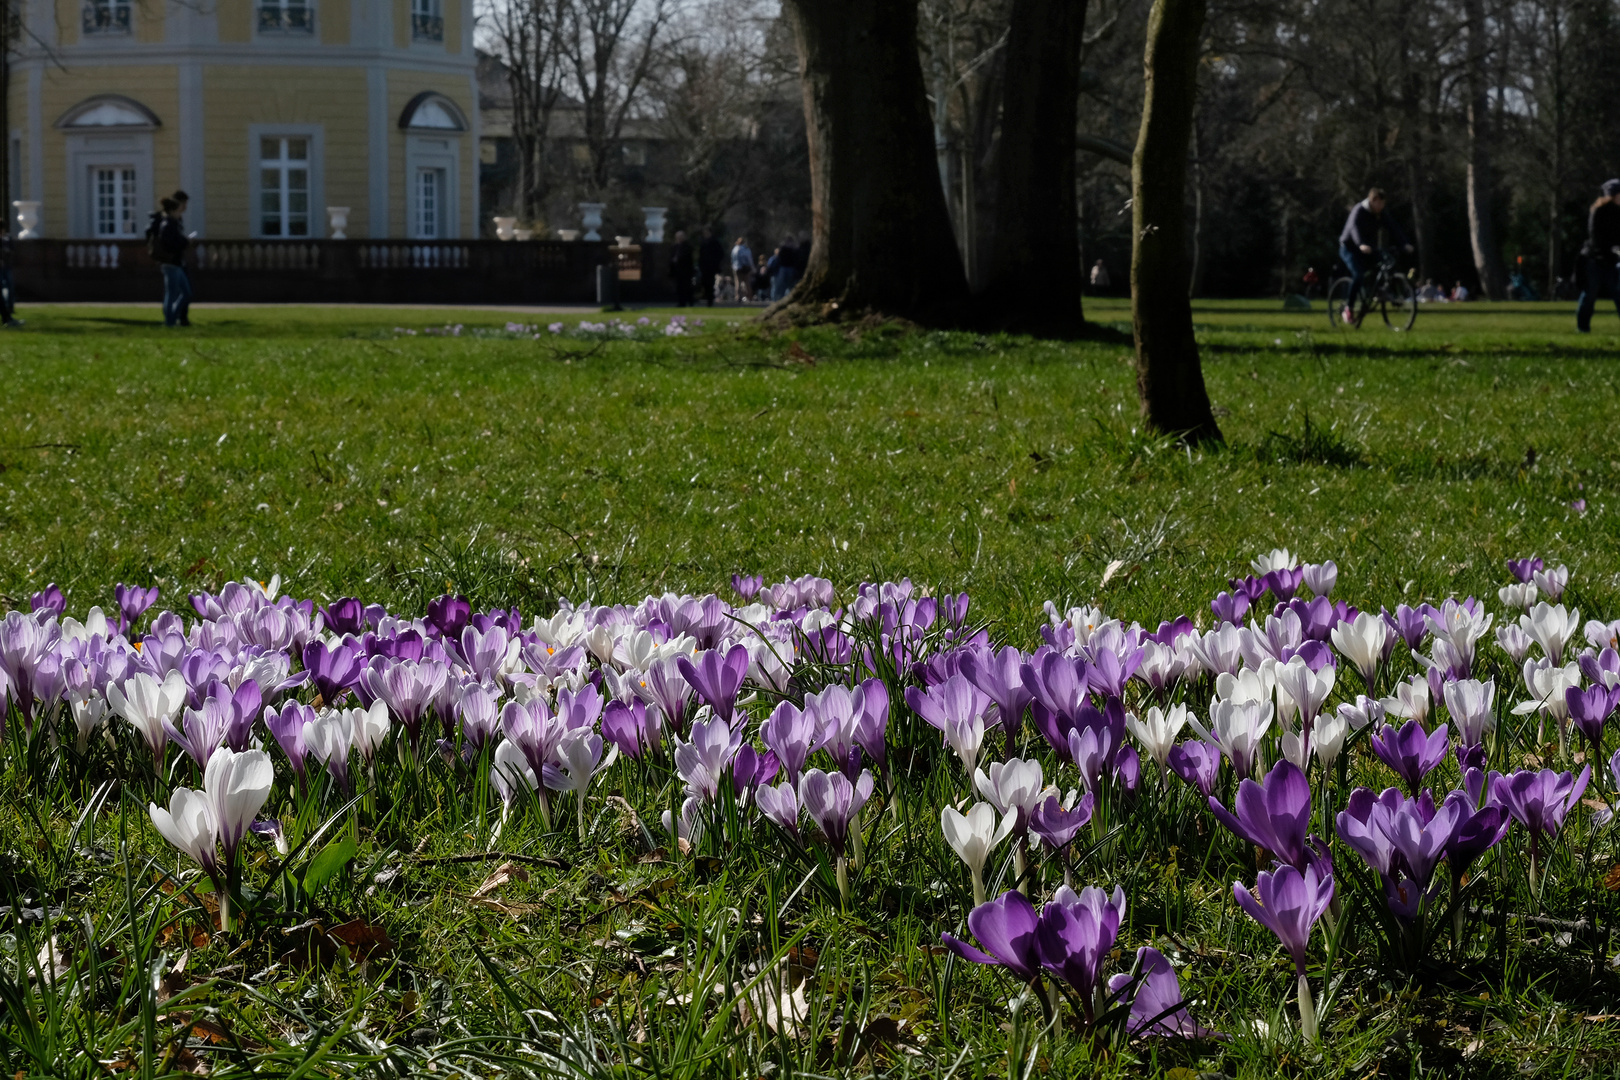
pixel 1358 243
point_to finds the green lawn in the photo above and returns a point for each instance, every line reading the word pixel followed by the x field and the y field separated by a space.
pixel 356 459
pixel 351 459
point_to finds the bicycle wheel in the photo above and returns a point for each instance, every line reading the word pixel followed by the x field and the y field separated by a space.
pixel 1338 299
pixel 1397 303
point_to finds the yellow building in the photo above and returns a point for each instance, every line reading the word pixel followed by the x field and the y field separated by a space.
pixel 268 113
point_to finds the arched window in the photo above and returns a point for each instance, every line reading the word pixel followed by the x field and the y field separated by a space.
pixel 429 111
pixel 107 111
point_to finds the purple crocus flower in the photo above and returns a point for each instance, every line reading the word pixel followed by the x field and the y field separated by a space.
pixel 834 803
pixel 1476 831
pixel 1524 570
pixel 132 603
pixel 750 769
pixel 241 707
pixel 746 585
pixel 1056 827
pixel 1274 815
pixel 1075 935
pixel 287 726
pixel 334 671
pixel 872 723
pixel 1403 839
pixel 1410 624
pixel 1006 928
pixel 790 732
pixel 704 762
pixel 717 677
pixel 779 804
pixel 1229 607
pixel 1059 685
pixel 480 718
pixel 1590 709
pixel 999 676
pixel 1539 800
pixel 1288 902
pixel 345 616
pixel 449 615
pixel 48 602
pixel 1197 763
pixel 1157 1007
pixel 1284 582
pixel 630 727
pixel 1410 751
pixel 834 712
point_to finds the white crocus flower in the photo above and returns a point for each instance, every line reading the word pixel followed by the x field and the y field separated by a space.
pixel 1248 684
pixel 966 737
pixel 1551 626
pixel 1220 651
pixel 146 704
pixel 88 713
pixel 1519 596
pixel 1361 641
pixel 1411 700
pixel 237 785
pixel 582 759
pixel 1276 559
pixel 1334 728
pixel 1460 627
pixel 268 589
pixel 973 836
pixel 190 826
pixel 1321 577
pixel 1237 728
pixel 599 640
pixel 1013 785
pixel 1157 731
pixel 1513 641
pixel 329 738
pixel 95 625
pixel 1552 582
pixel 1469 703
pixel 1308 689
pixel 1546 683
pixel 369 727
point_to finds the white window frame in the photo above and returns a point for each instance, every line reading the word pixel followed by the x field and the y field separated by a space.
pixel 427 21
pixel 441 152
pixel 126 201
pixel 88 152
pixel 285 13
pixel 316 135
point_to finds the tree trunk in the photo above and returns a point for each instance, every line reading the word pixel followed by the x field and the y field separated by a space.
pixel 881 235
pixel 1169 379
pixel 1481 178
pixel 1035 274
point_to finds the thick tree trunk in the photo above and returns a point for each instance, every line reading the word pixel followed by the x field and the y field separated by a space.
pixel 1035 273
pixel 1481 177
pixel 1169 379
pixel 881 236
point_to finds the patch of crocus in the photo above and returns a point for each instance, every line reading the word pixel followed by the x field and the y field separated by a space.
pixel 1074 935
pixel 1410 751
pixel 150 707
pixel 1288 902
pixel 132 603
pixel 1154 994
pixel 716 677
pixel 1403 839
pixel 973 836
pixel 1196 763
pixel 1539 801
pixel 1274 814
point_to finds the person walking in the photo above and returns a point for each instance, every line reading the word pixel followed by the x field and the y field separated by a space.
pixel 166 241
pixel 8 300
pixel 1600 253
pixel 783 269
pixel 1101 282
pixel 710 258
pixel 680 268
pixel 742 269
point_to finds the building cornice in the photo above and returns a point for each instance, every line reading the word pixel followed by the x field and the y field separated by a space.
pixel 245 54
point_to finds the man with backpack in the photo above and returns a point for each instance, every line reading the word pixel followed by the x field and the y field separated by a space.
pixel 166 242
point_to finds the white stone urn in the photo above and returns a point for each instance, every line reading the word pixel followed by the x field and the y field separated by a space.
pixel 591 218
pixel 338 219
pixel 523 234
pixel 568 235
pixel 655 223
pixel 505 228
pixel 27 219
pixel 623 241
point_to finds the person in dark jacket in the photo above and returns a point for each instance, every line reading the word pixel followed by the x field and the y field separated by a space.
pixel 8 302
pixel 168 245
pixel 1358 242
pixel 1600 254
pixel 680 268
pixel 710 255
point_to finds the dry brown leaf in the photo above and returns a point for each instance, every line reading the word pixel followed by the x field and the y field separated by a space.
pixel 507 871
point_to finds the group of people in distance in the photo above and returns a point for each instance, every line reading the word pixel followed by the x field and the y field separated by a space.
pixel 744 278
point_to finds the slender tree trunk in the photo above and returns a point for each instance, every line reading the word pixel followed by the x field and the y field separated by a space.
pixel 1422 227
pixel 881 234
pixel 1035 274
pixel 1169 379
pixel 1481 177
